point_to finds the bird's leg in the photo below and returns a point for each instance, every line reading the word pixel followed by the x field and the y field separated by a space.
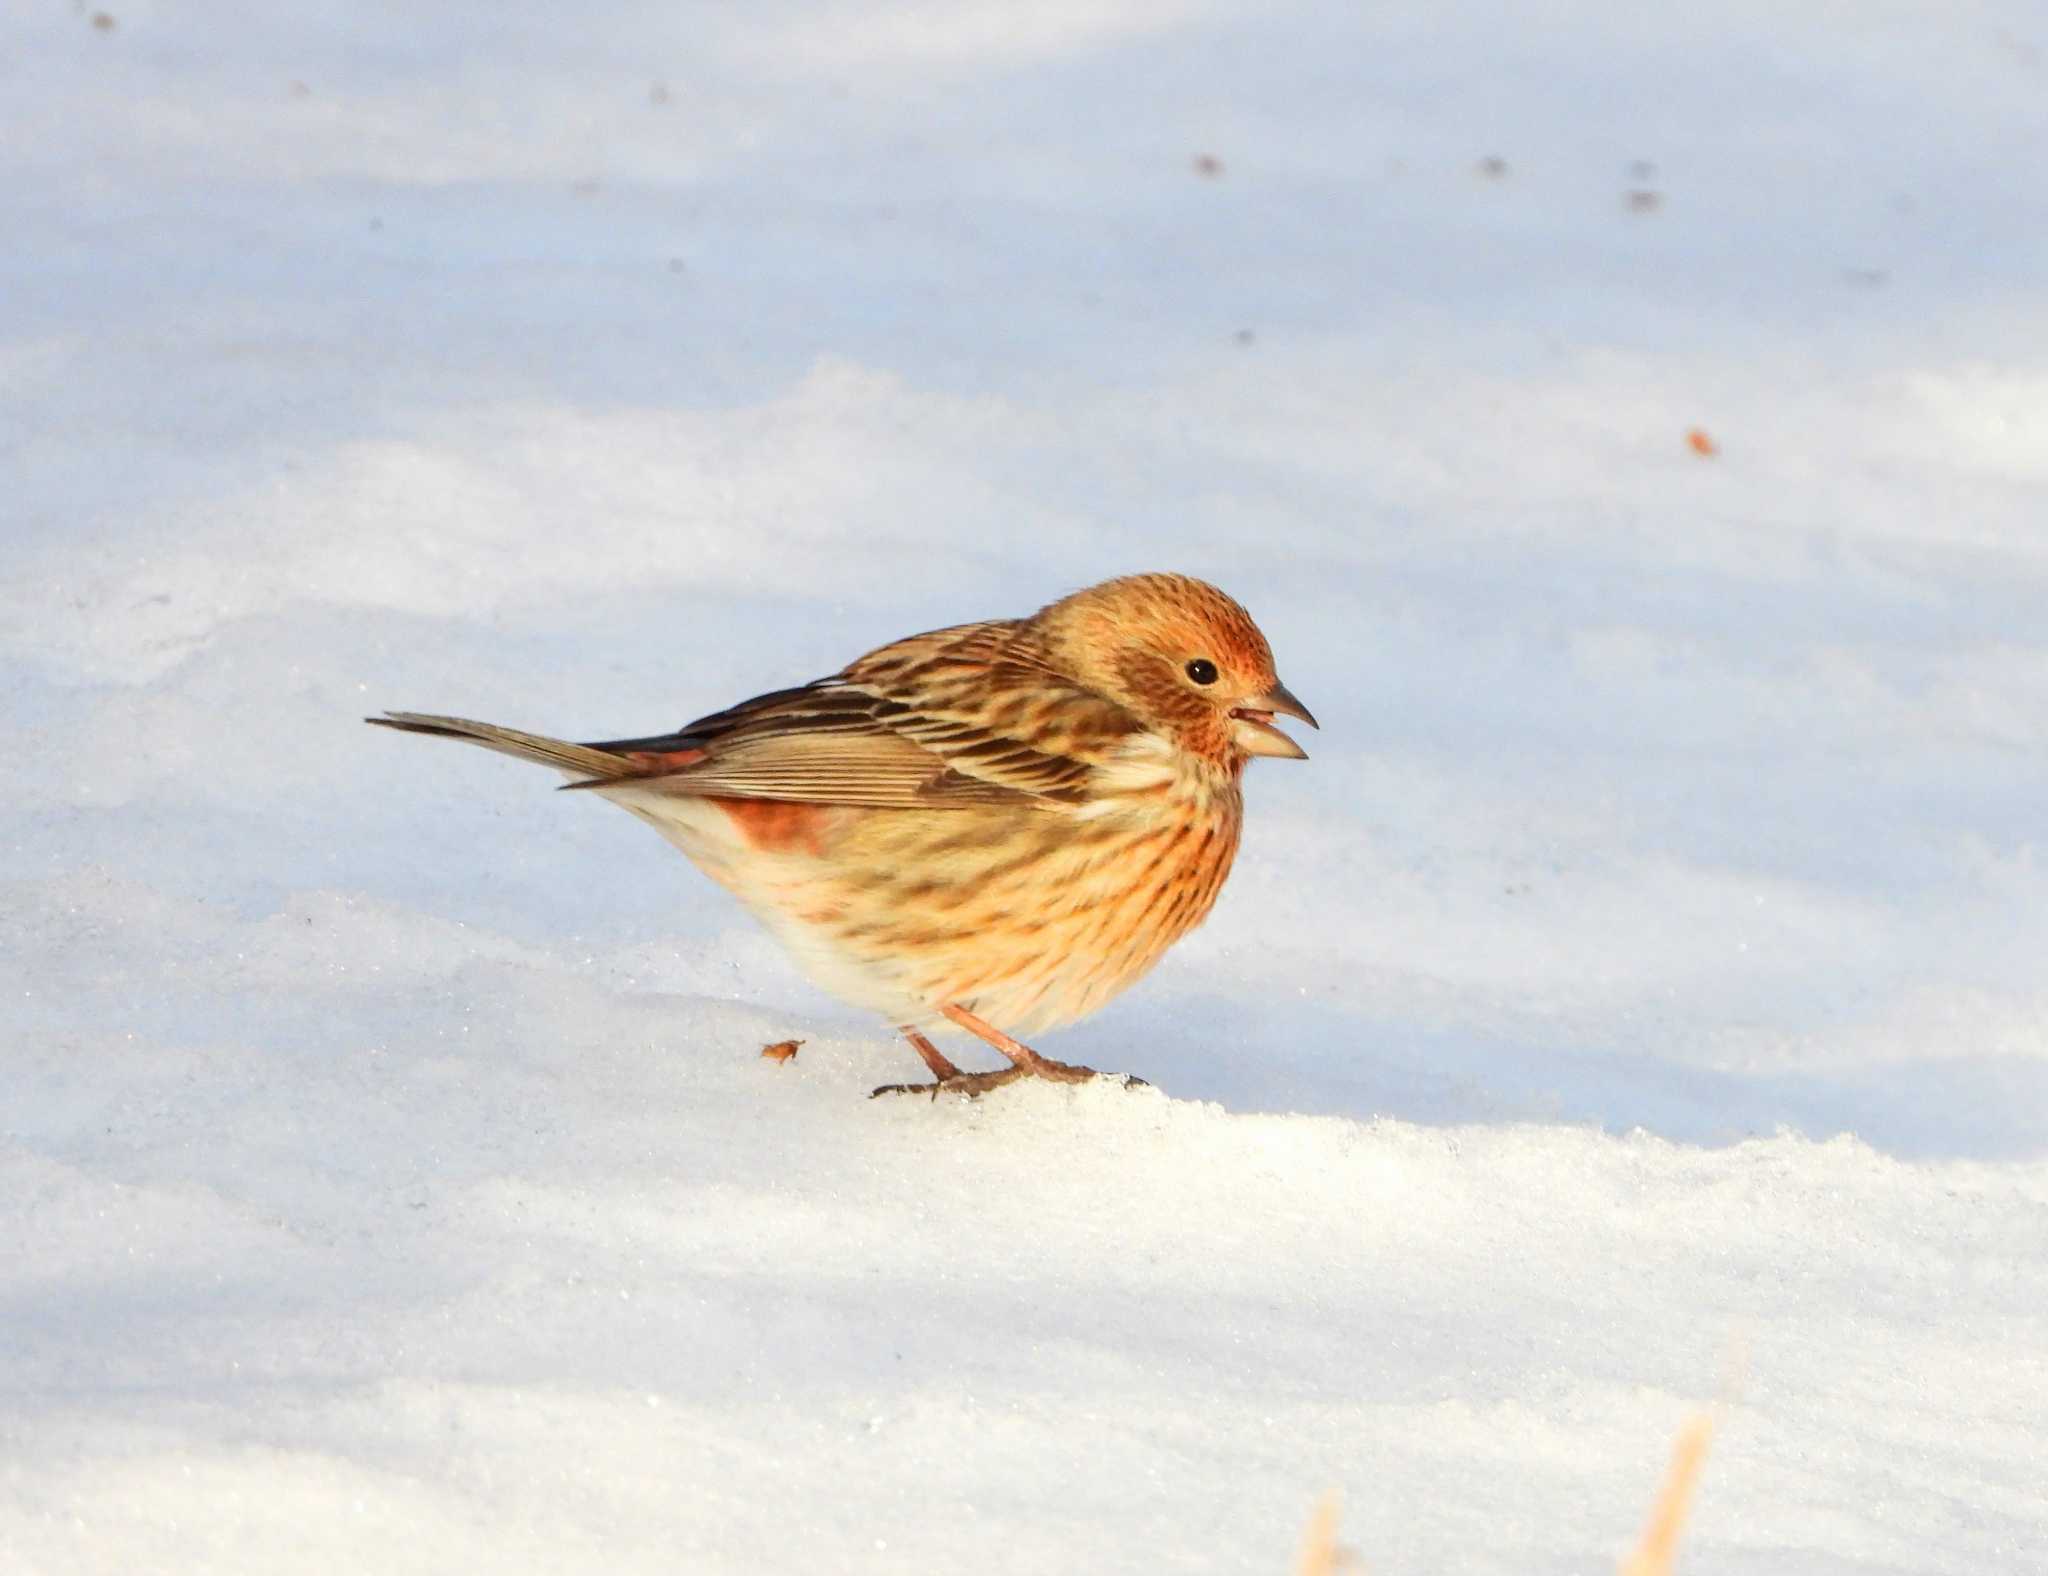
pixel 1025 1058
pixel 934 1058
pixel 1024 1063
pixel 947 1077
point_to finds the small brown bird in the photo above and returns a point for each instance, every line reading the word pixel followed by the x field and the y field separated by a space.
pixel 1000 824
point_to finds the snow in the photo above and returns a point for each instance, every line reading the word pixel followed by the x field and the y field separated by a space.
pixel 1634 1005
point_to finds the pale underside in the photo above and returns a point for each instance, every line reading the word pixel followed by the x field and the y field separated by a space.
pixel 1029 915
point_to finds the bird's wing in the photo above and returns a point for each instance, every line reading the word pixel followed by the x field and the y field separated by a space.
pixel 958 717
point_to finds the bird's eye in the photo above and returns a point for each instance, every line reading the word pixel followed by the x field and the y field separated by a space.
pixel 1202 671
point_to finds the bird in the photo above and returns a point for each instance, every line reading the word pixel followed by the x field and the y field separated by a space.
pixel 999 825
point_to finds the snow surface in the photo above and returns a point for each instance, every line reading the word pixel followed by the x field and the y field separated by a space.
pixel 1636 1002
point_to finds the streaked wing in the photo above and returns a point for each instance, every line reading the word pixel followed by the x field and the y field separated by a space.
pixel 957 717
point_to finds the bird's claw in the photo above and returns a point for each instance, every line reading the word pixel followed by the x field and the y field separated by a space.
pixel 974 1085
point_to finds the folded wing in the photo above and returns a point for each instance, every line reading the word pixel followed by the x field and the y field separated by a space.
pixel 958 717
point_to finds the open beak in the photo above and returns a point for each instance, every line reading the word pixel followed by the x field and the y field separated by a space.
pixel 1258 736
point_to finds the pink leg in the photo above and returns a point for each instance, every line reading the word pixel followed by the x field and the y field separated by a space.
pixel 1024 1063
pixel 934 1058
pixel 1021 1054
pixel 945 1075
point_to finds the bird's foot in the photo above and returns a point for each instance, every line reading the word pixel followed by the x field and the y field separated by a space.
pixel 1058 1072
pixel 974 1085
pixel 1019 1053
pixel 1073 1072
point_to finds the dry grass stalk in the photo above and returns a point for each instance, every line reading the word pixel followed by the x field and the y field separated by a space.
pixel 1321 1554
pixel 1653 1555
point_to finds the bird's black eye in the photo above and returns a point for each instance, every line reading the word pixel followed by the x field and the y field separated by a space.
pixel 1202 671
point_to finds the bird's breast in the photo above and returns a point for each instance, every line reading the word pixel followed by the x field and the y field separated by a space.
pixel 1035 918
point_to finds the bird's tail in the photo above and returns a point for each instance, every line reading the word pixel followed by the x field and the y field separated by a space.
pixel 579 760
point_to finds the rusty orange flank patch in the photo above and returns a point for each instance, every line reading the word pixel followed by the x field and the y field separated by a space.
pixel 775 826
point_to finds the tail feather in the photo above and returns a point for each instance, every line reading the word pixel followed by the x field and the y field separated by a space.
pixel 579 760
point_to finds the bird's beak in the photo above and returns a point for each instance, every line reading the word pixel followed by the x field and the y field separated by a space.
pixel 1258 736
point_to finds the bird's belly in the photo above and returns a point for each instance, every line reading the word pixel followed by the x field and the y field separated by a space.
pixel 1029 918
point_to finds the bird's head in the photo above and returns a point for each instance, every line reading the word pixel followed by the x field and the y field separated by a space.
pixel 1183 658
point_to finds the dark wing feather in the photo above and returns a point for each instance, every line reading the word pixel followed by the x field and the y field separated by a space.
pixel 908 726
